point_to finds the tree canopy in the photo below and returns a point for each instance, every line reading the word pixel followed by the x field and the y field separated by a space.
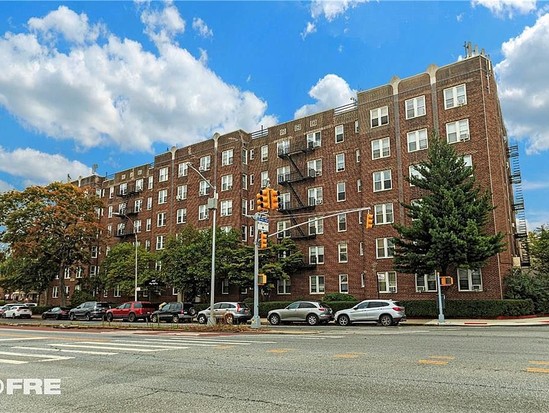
pixel 448 223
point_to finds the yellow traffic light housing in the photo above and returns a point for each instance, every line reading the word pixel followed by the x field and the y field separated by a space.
pixel 274 199
pixel 369 220
pixel 263 201
pixel 262 240
pixel 446 281
pixel 261 279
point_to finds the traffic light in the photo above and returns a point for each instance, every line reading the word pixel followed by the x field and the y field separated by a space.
pixel 261 279
pixel 262 240
pixel 369 220
pixel 263 201
pixel 275 199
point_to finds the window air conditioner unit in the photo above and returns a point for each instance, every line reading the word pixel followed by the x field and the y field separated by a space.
pixel 464 137
pixel 420 289
pixel 392 289
pixel 318 201
pixel 179 198
pixel 201 168
pixel 476 287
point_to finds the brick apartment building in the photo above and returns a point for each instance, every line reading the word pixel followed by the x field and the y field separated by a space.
pixel 331 162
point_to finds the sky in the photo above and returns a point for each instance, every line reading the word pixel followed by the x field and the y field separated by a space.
pixel 106 85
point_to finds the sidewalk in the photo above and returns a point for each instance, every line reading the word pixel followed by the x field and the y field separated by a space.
pixel 508 322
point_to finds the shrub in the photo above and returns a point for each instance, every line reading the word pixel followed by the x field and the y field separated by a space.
pixel 338 297
pixel 469 308
pixel 521 285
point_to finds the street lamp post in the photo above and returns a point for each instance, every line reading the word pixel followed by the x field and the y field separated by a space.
pixel 135 243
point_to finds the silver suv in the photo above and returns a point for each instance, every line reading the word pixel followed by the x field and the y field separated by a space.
pixel 229 312
pixel 384 312
pixel 312 312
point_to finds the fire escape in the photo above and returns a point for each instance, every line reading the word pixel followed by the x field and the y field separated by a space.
pixel 126 213
pixel 521 232
pixel 293 180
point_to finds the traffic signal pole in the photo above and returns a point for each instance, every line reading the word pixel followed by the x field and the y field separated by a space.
pixel 256 320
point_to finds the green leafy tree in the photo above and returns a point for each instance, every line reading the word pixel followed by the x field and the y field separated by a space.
pixel 448 222
pixel 55 225
pixel 118 268
pixel 539 250
pixel 25 273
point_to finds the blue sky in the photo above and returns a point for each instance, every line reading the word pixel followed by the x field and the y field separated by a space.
pixel 112 84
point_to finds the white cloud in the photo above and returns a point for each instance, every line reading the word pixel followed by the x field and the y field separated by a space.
pixel 5 187
pixel 534 185
pixel 330 91
pixel 331 9
pixel 39 168
pixel 507 7
pixel 111 92
pixel 201 27
pixel 309 29
pixel 524 85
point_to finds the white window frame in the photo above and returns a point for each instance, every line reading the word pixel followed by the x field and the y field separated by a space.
pixel 284 286
pixel 226 208
pixel 163 174
pixel 205 163
pixel 455 96
pixel 183 169
pixel 426 283
pixel 203 188
pixel 341 192
pixel 381 148
pixel 469 280
pixel 344 283
pixel 415 107
pixel 385 248
pixel 382 180
pixel 182 192
pixel 458 131
pixel 342 252
pixel 342 222
pixel 181 216
pixel 160 242
pixel 316 254
pixel 161 220
pixel 227 157
pixel 314 139
pixel 202 212
pixel 316 166
pixel 162 196
pixel 315 226
pixel 339 134
pixel 264 153
pixel 384 214
pixel 317 284
pixel 417 140
pixel 315 196
pixel 387 282
pixel 340 162
pixel 226 183
pixel 379 116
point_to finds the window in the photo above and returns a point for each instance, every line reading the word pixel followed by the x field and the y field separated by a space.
pixel 243 233
pixel 383 214
pixel 202 212
pixel 417 140
pixel 381 148
pixel 379 116
pixel 457 131
pixel 357 155
pixel 385 248
pixel 316 255
pixel 204 188
pixel 316 284
pixel 174 291
pixel 55 292
pixel 121 229
pixel 283 174
pixel 468 160
pixel 226 208
pixel 183 169
pixel 285 198
pixel 148 224
pixel 161 219
pixel 283 286
pixel 415 107
pixel 149 203
pixel 244 179
pixel 160 242
pixel 344 283
pixel 244 155
pixel 426 282
pixel 356 126
pixel 413 172
pixel 162 196
pixel 469 280
pixel 227 157
pixel 314 140
pixel 150 183
pixel 359 185
pixel 138 205
pixel 123 190
pixel 283 147
pixel 181 192
pixel 455 96
pixel 163 174
pixel 339 134
pixel 316 226
pixel 116 291
pixel 341 191
pixel 94 252
pixel 382 181
pixel 225 286
pixel 314 167
pixel 205 163
pixel 93 270
pixel 387 282
pixel 264 153
pixel 342 222
pixel 226 183
pixel 111 192
pixel 137 226
pixel 264 179
pixel 340 162
pixel 315 196
pixel 79 272
pixel 342 252
pixel 252 154
pixel 139 185
pixel 244 206
pixel 67 273
pixel 281 229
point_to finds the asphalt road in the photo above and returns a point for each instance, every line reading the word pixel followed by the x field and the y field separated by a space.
pixel 294 369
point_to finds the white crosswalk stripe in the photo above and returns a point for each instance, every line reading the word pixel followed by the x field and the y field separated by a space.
pixel 117 346
pixel 23 338
pixel 42 357
pixel 60 350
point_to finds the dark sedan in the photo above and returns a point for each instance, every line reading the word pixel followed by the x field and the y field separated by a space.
pixel 174 312
pixel 56 312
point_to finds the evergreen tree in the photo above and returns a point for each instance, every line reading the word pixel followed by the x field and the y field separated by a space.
pixel 448 223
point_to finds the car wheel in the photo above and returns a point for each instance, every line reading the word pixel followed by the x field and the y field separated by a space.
pixel 154 318
pixel 192 311
pixel 44 316
pixel 175 318
pixel 202 319
pixel 88 317
pixel 312 319
pixel 132 317
pixel 385 320
pixel 109 317
pixel 229 318
pixel 343 320
pixel 274 319
pixel 72 316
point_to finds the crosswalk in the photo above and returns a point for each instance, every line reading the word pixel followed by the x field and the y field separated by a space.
pixel 61 350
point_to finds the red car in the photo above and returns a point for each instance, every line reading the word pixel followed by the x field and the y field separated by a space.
pixel 131 311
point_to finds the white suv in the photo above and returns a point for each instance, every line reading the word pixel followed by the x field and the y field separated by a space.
pixel 17 311
pixel 384 312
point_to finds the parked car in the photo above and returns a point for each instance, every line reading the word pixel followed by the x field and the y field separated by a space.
pixel 2 309
pixel 230 312
pixel 31 304
pixel 17 311
pixel 89 310
pixel 384 312
pixel 312 312
pixel 174 312
pixel 131 311
pixel 56 312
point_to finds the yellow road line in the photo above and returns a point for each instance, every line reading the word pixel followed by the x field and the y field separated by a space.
pixel 279 350
pixel 537 370
pixel 442 357
pixel 436 362
pixel 541 363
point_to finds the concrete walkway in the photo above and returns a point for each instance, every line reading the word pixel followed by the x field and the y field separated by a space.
pixel 519 322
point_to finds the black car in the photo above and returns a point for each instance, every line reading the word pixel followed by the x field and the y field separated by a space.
pixel 174 312
pixel 89 310
pixel 56 312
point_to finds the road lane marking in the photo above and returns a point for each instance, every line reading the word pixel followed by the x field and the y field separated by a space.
pixel 442 357
pixel 23 338
pixel 435 362
pixel 99 353
pixel 120 348
pixel 541 363
pixel 6 361
pixel 44 357
pixel 279 350
pixel 348 355
pixel 206 340
pixel 537 370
